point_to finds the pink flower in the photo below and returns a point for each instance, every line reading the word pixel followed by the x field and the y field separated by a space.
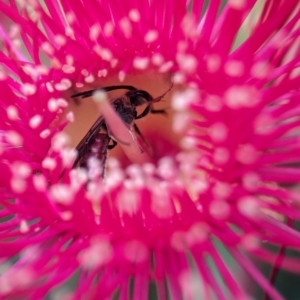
pixel 235 101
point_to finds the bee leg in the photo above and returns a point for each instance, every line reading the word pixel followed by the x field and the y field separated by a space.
pixel 113 145
pixel 144 113
pixel 143 144
pixel 137 130
pixel 75 99
pixel 134 129
pixel 158 111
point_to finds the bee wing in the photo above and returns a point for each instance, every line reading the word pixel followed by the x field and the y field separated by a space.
pixel 100 122
pixel 89 93
pixel 83 144
pixel 138 138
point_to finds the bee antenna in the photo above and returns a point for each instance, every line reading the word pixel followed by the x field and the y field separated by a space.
pixel 159 98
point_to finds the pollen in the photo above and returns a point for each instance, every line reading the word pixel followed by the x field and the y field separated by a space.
pixel 14 31
pixel 18 185
pixel 94 194
pixel 213 103
pixel 52 105
pixel 68 156
pixel 45 133
pixel 221 190
pixel 128 202
pixel 189 25
pixel 188 142
pixel 166 168
pixel 221 156
pixel 98 254
pixel 134 15
pixel 49 87
pixel 63 85
pixel 161 204
pixel 94 32
pixel 126 27
pixel 102 73
pixel 122 76
pixel 234 68
pixel 219 209
pixel 182 100
pixel 14 138
pixel 60 141
pixel 251 181
pixel 237 4
pixel 42 70
pixel 241 96
pixel 166 67
pixel 21 170
pixel 246 154
pixel 2 76
pixel 191 284
pixel 68 69
pixel 35 121
pixel 141 63
pixel 250 242
pixel 108 29
pixel 197 233
pixel 213 63
pixel 61 102
pixel 187 63
pixel 179 78
pixel 30 70
pixel 28 89
pixel 40 182
pixel 104 53
pixel 89 79
pixel 135 251
pixel 80 85
pixel 61 193
pixel 12 113
pixel 70 16
pixel 46 46
pixel 84 72
pixel 78 176
pixel 157 59
pixel 60 40
pixel 178 241
pixel 248 206
pixel 151 36
pixel 218 132
pixel 260 70
pixel 100 96
pixel 69 31
pixel 24 227
pixel 49 163
pixel 66 215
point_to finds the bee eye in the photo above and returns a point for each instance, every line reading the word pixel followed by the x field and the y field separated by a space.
pixel 140 94
pixel 143 94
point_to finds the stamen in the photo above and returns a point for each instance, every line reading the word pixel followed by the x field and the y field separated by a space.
pixel 121 132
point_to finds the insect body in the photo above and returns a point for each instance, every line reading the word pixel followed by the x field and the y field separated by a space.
pixel 97 149
pixel 98 139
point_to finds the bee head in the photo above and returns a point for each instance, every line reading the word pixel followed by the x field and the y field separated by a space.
pixel 139 97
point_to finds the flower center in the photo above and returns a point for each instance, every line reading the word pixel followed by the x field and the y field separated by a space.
pixel 156 129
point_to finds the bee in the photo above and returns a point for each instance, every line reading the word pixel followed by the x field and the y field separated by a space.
pixel 98 139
